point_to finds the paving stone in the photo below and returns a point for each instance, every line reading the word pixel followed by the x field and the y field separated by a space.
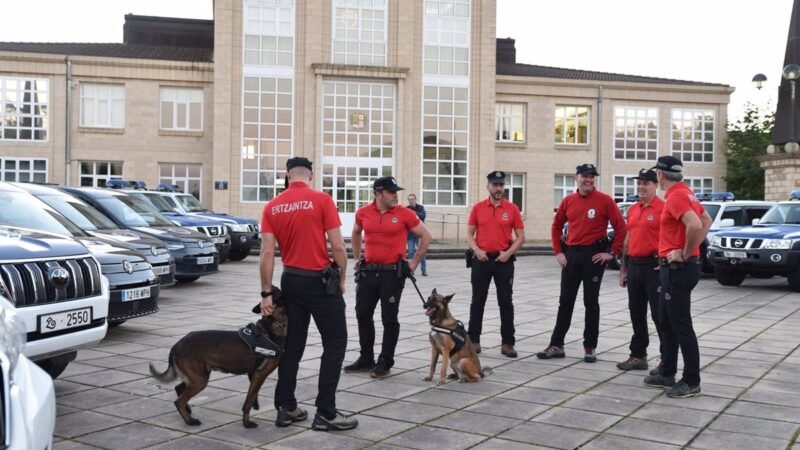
pixel 138 408
pixel 703 402
pixel 587 402
pixel 375 429
pixel 107 378
pixel 83 422
pixel 265 433
pixel 654 431
pixel 130 436
pixel 93 398
pixel 503 444
pixel 535 395
pixel 409 412
pixel 429 438
pixel 476 423
pixel 316 440
pixel 675 415
pixel 584 420
pixel 71 445
pixel 771 412
pixel 715 439
pixel 756 427
pixel 441 397
pixel 547 435
pixel 505 407
pixel 208 418
pixel 196 443
pixel 608 441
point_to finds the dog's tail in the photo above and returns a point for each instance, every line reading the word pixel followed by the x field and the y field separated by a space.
pixel 169 375
pixel 486 371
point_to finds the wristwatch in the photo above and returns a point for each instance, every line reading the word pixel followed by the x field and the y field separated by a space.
pixel 265 294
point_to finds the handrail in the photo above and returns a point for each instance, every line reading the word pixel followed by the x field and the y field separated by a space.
pixel 445 219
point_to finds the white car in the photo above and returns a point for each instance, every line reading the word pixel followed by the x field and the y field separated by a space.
pixel 27 396
pixel 726 214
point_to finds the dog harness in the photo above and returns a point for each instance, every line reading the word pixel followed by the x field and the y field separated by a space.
pixel 459 335
pixel 259 343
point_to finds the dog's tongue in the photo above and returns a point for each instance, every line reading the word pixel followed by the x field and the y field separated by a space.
pixel 429 311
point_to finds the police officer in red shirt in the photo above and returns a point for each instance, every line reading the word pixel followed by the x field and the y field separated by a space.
pixel 386 226
pixel 494 233
pixel 639 269
pixel 299 220
pixel 684 225
pixel 587 213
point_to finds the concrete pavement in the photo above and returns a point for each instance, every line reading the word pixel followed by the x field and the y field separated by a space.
pixel 749 338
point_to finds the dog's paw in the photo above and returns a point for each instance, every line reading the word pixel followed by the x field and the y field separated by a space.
pixel 427 379
pixel 193 422
pixel 250 424
pixel 440 382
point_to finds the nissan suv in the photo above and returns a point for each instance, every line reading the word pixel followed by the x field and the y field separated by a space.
pixel 726 214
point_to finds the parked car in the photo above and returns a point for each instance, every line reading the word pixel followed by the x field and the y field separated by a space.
pixel 245 233
pixel 95 223
pixel 214 229
pixel 133 286
pixel 27 396
pixel 58 291
pixel 194 253
pixel 725 213
pixel 768 248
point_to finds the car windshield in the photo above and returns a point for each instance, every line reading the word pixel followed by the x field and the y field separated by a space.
pixel 23 210
pixel 782 214
pixel 158 202
pixel 78 212
pixel 134 212
pixel 712 210
pixel 190 204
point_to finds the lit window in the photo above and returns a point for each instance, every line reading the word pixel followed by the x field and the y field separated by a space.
pixel 563 185
pixel 635 133
pixel 515 189
pixel 102 105
pixel 445 143
pixel 359 32
pixel 269 33
pixel 188 177
pixel 23 170
pixel 624 185
pixel 25 109
pixel 97 173
pixel 693 135
pixel 572 124
pixel 510 122
pixel 703 185
pixel 181 109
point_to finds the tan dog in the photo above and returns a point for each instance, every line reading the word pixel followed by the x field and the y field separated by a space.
pixel 446 335
pixel 198 353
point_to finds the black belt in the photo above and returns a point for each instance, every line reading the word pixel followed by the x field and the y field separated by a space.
pixel 664 263
pixel 646 260
pixel 303 272
pixel 585 248
pixel 380 267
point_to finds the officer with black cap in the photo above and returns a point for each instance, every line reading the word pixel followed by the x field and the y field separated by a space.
pixel 382 272
pixel 494 233
pixel 684 226
pixel 300 220
pixel 587 213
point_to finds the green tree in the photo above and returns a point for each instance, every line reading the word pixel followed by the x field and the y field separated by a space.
pixel 748 138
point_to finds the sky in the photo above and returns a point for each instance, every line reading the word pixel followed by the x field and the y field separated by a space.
pixel 718 41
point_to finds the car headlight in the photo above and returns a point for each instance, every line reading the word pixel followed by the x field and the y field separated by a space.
pixel 777 244
pixel 175 246
pixel 240 227
pixel 716 241
pixel 12 333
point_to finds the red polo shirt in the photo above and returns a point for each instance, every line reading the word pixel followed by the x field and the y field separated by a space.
pixel 588 217
pixel 385 234
pixel 644 222
pixel 493 224
pixel 679 199
pixel 299 218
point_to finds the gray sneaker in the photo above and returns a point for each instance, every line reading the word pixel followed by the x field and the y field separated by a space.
pixel 633 363
pixel 338 423
pixel 681 389
pixel 657 369
pixel 552 351
pixel 659 381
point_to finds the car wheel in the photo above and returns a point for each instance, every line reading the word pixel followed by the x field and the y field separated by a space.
pixel 238 255
pixel 186 279
pixel 763 276
pixel 727 277
pixel 115 323
pixel 55 366
pixel 794 280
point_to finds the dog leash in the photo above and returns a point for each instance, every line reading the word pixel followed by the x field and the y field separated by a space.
pixel 414 282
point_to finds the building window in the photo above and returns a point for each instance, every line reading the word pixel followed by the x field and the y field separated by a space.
pixel 102 105
pixel 23 170
pixel 693 135
pixel 269 33
pixel 515 189
pixel 703 185
pixel 181 109
pixel 359 32
pixel 267 129
pixel 624 185
pixel 25 109
pixel 563 185
pixel 635 133
pixel 96 173
pixel 445 143
pixel 447 34
pixel 510 122
pixel 572 124
pixel 188 177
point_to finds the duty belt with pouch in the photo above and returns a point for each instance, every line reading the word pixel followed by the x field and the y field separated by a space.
pixel 677 265
pixel 331 275
pixel 469 255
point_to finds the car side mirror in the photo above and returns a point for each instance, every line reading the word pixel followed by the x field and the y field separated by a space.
pixel 725 223
pixel 755 221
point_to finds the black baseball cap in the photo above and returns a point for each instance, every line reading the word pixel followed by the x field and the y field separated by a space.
pixel 669 164
pixel 298 161
pixel 586 169
pixel 386 184
pixel 498 176
pixel 647 175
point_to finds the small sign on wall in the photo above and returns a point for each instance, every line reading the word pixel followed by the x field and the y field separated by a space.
pixel 221 185
pixel 358 120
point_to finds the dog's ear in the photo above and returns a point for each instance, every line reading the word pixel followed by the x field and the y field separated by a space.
pixel 277 296
pixel 448 298
pixel 434 292
pixel 257 308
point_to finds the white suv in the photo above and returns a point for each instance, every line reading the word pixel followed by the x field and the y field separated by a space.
pixel 726 214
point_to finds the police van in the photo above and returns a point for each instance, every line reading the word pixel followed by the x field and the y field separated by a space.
pixel 764 247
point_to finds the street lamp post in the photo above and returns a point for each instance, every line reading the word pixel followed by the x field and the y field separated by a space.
pixel 792 72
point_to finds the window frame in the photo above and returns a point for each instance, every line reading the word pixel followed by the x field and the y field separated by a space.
pixel 563 190
pixel 282 21
pixel 651 154
pixel 563 118
pixel 182 179
pixel 95 176
pixel 19 92
pixel 501 117
pixel 516 181
pixel 626 178
pixel 96 100
pixel 690 180
pixel 681 154
pixel 342 57
pixel 17 171
pixel 177 105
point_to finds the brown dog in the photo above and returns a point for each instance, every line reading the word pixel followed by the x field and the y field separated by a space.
pixel 198 353
pixel 449 339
